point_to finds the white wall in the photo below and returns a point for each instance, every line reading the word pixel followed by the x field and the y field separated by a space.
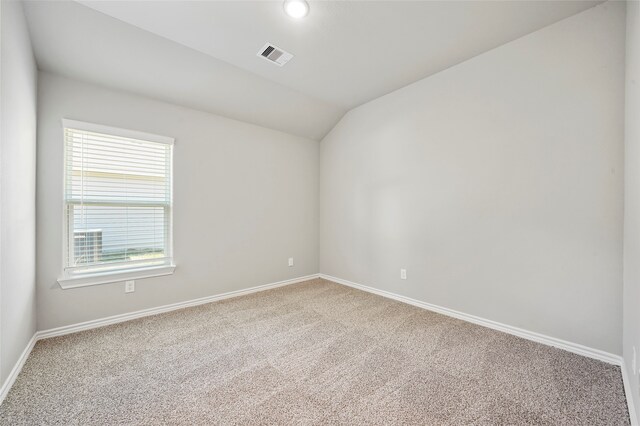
pixel 245 200
pixel 17 187
pixel 631 326
pixel 497 183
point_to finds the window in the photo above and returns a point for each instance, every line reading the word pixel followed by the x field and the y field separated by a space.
pixel 117 204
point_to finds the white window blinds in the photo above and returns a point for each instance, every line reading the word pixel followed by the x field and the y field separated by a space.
pixel 118 201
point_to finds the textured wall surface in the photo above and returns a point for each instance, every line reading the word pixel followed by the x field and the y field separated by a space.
pixel 497 184
pixel 17 188
pixel 245 200
pixel 631 326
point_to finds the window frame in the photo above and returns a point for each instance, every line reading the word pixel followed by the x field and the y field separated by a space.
pixel 80 279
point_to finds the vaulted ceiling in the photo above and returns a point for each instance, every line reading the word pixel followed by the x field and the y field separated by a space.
pixel 203 54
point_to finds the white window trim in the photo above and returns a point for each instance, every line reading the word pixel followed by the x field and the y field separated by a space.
pixel 83 280
pixel 116 131
pixel 116 276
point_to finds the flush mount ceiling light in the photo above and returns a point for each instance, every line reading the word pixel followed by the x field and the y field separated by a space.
pixel 296 8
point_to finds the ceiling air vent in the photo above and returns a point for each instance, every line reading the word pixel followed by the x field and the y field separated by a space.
pixel 274 54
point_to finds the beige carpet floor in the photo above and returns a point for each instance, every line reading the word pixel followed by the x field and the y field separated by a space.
pixel 309 353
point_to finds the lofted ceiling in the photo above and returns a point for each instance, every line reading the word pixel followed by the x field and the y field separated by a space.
pixel 202 54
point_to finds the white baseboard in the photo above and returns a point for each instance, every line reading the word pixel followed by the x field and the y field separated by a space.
pixel 87 325
pixel 536 337
pixel 627 390
pixel 525 334
pixel 4 390
pixel 529 335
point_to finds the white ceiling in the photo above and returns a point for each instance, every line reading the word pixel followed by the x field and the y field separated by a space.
pixel 75 41
pixel 203 54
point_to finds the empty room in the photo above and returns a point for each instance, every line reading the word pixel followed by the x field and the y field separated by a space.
pixel 311 212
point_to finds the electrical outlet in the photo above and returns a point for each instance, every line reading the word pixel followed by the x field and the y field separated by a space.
pixel 291 261
pixel 403 274
pixel 129 286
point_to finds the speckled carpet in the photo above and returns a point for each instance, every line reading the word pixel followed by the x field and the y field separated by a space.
pixel 309 353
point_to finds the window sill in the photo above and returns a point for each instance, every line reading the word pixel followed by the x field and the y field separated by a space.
pixel 114 277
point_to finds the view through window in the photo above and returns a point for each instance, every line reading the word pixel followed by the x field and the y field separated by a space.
pixel 118 200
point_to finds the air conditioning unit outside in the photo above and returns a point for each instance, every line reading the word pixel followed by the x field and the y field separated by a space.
pixel 87 245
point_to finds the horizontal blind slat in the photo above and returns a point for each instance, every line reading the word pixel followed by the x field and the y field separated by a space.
pixel 118 197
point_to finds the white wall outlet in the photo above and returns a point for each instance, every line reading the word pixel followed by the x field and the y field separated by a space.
pixel 129 286
pixel 403 274
pixel 634 362
pixel 291 261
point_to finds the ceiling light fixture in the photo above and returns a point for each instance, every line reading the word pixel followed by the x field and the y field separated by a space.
pixel 296 8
